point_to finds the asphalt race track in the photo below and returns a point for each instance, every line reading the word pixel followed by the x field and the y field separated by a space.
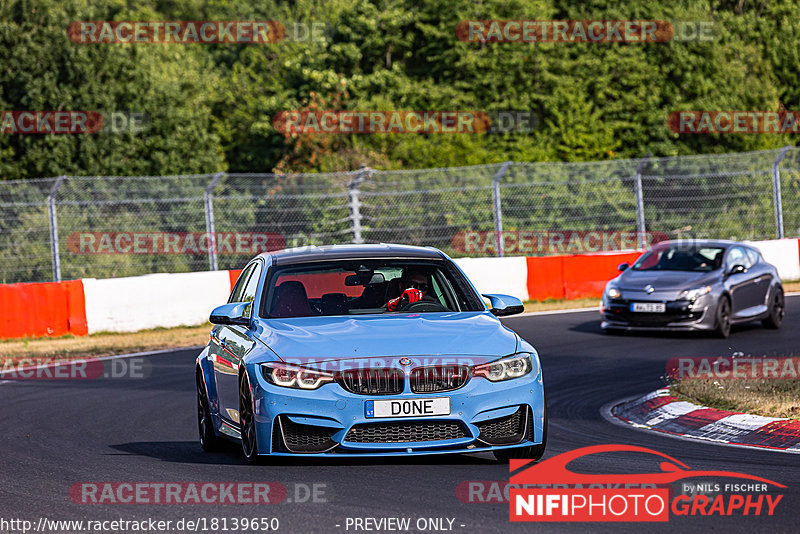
pixel 59 433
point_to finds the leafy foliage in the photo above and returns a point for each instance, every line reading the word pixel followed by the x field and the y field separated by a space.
pixel 211 106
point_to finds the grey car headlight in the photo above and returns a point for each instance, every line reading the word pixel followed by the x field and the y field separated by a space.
pixel 507 368
pixel 694 294
pixel 613 292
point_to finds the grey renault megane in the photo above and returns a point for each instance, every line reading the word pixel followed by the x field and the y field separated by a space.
pixel 694 285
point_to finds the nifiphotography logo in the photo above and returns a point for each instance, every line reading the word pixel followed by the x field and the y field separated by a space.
pixel 611 497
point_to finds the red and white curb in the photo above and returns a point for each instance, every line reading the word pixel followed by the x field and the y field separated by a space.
pixel 659 411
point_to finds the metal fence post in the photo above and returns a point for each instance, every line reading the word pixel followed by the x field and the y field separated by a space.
pixel 641 230
pixel 777 200
pixel 498 210
pixel 210 230
pixel 51 209
pixel 354 201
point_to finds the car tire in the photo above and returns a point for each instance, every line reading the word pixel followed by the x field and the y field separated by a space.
pixel 776 311
pixel 723 329
pixel 533 452
pixel 209 440
pixel 613 331
pixel 247 423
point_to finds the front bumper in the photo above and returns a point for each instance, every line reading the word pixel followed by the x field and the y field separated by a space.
pixel 679 315
pixel 331 421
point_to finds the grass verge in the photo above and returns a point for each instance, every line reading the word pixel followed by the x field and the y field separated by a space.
pixel 553 304
pixel 791 287
pixel 770 398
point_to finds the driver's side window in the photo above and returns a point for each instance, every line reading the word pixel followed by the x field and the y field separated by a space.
pixel 238 289
pixel 249 292
pixel 736 256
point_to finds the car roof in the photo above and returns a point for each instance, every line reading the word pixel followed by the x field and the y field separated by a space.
pixel 351 251
pixel 722 243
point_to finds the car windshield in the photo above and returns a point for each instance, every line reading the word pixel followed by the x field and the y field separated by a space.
pixel 681 258
pixel 356 287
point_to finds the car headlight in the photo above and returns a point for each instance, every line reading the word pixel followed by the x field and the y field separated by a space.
pixel 292 376
pixel 694 294
pixel 613 292
pixel 506 368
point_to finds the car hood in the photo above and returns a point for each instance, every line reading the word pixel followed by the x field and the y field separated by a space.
pixel 664 280
pixel 421 334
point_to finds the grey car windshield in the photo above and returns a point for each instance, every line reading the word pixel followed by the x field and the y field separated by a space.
pixel 698 259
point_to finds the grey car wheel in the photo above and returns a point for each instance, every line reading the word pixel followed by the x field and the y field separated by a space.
pixel 776 311
pixel 724 317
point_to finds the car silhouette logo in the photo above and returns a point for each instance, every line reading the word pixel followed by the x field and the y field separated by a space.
pixel 649 289
pixel 405 361
pixel 554 470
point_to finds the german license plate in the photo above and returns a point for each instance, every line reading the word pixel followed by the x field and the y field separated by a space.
pixel 407 407
pixel 648 307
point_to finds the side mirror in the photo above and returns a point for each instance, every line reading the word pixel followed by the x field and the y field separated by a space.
pixel 737 269
pixel 502 305
pixel 622 266
pixel 233 313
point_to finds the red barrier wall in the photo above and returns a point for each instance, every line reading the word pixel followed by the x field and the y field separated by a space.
pixel 234 276
pixel 46 309
pixel 573 277
pixel 545 277
pixel 586 276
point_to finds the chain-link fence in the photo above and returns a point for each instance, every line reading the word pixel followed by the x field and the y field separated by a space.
pixel 73 227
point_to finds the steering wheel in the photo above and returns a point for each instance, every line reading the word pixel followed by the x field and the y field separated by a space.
pixel 427 304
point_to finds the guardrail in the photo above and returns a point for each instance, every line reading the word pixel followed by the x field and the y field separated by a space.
pixel 73 227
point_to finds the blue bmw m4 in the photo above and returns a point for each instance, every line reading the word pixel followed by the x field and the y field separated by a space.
pixel 367 350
